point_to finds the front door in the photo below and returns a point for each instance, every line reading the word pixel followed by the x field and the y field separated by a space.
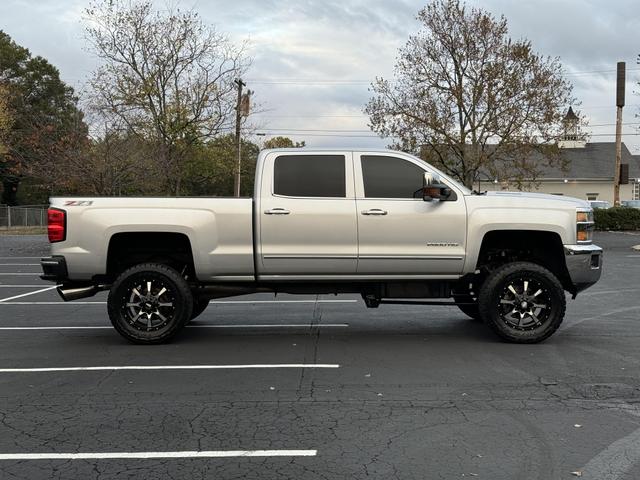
pixel 398 232
pixel 307 215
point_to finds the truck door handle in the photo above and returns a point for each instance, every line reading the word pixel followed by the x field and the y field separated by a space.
pixel 277 211
pixel 374 211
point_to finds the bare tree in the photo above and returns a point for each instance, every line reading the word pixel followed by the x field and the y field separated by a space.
pixel 470 99
pixel 164 74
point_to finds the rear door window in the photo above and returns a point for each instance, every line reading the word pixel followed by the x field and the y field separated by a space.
pixel 310 176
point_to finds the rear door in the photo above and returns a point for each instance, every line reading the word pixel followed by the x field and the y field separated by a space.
pixel 398 232
pixel 307 215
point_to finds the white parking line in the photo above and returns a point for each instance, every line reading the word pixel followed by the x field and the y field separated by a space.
pixel 4 300
pixel 20 264
pixel 214 302
pixel 185 454
pixel 283 325
pixel 618 458
pixel 20 258
pixel 36 274
pixel 170 367
pixel 24 286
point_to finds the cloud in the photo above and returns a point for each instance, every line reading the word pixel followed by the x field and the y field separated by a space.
pixel 345 44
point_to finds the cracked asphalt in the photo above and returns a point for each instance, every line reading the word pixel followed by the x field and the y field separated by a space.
pixel 421 392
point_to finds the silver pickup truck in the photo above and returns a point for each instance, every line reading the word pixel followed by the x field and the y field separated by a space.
pixel 382 224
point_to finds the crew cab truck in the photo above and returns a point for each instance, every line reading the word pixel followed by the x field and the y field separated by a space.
pixel 383 224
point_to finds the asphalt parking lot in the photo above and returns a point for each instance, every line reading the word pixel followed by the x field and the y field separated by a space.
pixel 317 388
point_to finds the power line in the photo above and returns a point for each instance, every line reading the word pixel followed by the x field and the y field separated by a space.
pixel 298 133
pixel 331 82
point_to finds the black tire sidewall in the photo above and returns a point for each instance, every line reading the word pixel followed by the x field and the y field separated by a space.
pixel 120 291
pixel 490 296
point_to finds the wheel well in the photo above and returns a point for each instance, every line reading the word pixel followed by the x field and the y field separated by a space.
pixel 544 248
pixel 132 248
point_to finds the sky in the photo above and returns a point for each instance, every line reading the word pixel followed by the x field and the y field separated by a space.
pixel 313 61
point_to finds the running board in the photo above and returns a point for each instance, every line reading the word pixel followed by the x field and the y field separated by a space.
pixel 421 302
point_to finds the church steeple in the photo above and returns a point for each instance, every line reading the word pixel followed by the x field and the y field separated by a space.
pixel 571 136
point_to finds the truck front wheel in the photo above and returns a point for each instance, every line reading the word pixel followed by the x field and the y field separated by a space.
pixel 522 302
pixel 149 303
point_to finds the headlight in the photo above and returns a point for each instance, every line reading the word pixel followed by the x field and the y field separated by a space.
pixel 584 226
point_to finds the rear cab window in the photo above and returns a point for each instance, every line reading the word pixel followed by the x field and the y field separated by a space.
pixel 310 176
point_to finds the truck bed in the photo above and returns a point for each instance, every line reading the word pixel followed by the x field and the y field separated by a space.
pixel 219 230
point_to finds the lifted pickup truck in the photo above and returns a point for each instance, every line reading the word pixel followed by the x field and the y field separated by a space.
pixel 382 224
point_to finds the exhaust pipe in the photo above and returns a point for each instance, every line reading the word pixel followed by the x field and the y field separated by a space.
pixel 71 292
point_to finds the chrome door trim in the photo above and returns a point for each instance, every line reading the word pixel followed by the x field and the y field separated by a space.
pixel 342 278
pixel 312 257
pixel 411 257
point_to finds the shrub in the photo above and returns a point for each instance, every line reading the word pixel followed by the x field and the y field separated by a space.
pixel 617 218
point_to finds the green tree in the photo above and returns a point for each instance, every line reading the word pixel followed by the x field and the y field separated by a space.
pixel 211 168
pixel 165 75
pixel 282 142
pixel 5 120
pixel 46 125
pixel 471 99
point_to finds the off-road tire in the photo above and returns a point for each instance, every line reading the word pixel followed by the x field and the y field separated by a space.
pixel 149 303
pixel 517 317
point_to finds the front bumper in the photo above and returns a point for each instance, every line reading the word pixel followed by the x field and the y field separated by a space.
pixel 584 264
pixel 54 269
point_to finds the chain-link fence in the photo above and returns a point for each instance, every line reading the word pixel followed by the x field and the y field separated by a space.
pixel 23 217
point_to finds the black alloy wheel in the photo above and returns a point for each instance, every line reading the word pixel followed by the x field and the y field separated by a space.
pixel 149 303
pixel 522 302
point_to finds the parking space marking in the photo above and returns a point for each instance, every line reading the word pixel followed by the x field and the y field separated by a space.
pixel 4 300
pixel 20 264
pixel 170 367
pixel 608 292
pixel 567 324
pixel 24 286
pixel 617 459
pixel 184 454
pixel 283 325
pixel 19 258
pixel 33 274
pixel 214 302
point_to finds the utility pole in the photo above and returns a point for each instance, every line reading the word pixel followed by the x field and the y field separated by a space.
pixel 620 81
pixel 239 83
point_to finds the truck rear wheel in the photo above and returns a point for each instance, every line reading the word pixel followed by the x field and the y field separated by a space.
pixel 149 303
pixel 522 302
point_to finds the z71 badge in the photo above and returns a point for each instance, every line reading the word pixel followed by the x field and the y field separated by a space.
pixel 78 203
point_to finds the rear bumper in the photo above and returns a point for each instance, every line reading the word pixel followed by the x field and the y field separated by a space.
pixel 584 263
pixel 54 269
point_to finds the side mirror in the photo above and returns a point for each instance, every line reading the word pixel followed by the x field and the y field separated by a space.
pixel 433 188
